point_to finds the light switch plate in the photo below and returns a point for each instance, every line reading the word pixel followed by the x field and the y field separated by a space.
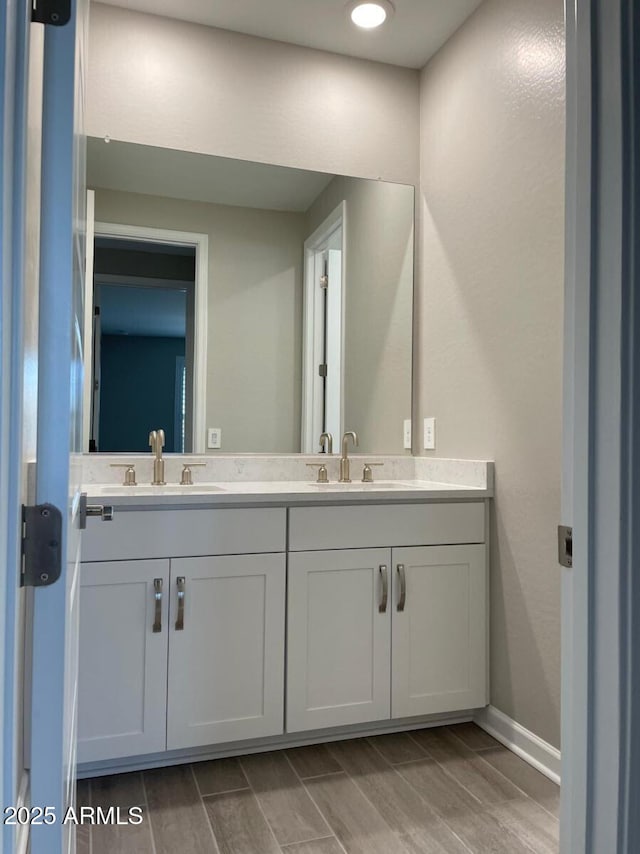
pixel 429 434
pixel 407 434
pixel 214 437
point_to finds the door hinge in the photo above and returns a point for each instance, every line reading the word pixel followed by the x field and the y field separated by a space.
pixel 565 545
pixel 324 281
pixel 322 370
pixel 41 545
pixel 57 13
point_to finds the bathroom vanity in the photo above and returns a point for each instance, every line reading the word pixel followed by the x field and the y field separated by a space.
pixel 255 607
pixel 231 616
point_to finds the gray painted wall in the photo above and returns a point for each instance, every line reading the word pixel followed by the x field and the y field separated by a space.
pixel 168 83
pixel 254 354
pixel 490 315
pixel 378 306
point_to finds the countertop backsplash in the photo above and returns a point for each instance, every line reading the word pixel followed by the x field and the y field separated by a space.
pixel 256 468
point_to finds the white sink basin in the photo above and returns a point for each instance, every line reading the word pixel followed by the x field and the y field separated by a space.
pixel 359 486
pixel 167 489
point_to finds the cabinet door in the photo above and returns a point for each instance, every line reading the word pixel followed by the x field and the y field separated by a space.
pixel 439 637
pixel 338 638
pixel 226 662
pixel 122 685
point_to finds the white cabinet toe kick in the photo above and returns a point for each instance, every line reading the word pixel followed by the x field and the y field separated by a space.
pixel 212 632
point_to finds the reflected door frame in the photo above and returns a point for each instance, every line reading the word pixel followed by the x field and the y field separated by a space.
pixel 200 242
pixel 323 332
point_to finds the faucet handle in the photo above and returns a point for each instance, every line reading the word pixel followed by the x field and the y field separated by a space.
pixel 367 474
pixel 129 475
pixel 322 472
pixel 186 479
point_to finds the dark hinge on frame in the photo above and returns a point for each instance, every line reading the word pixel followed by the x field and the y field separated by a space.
pixel 565 545
pixel 56 13
pixel 41 545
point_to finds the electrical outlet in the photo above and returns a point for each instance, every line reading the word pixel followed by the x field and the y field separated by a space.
pixel 429 434
pixel 214 437
pixel 407 434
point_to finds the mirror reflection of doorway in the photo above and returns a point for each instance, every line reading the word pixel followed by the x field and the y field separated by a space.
pixel 323 332
pixel 144 297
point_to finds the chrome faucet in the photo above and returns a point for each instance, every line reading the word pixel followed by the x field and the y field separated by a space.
pixel 156 443
pixel 344 459
pixel 326 442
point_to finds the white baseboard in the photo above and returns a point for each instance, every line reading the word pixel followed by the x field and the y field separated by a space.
pixel 528 746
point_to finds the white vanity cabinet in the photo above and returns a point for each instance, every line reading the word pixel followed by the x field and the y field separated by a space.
pixel 438 630
pixel 338 638
pixel 122 660
pixel 376 634
pixel 226 649
pixel 183 617
pixel 153 678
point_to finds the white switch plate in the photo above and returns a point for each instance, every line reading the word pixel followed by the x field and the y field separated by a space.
pixel 429 434
pixel 407 434
pixel 214 437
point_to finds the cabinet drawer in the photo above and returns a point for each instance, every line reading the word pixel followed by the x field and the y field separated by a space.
pixel 178 533
pixel 362 526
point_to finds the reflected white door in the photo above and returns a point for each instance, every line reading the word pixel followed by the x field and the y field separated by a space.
pixel 333 391
pixel 60 380
pixel 323 345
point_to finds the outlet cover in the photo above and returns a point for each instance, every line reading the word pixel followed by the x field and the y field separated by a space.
pixel 429 434
pixel 407 434
pixel 214 437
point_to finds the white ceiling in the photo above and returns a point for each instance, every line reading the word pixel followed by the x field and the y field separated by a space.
pixel 200 177
pixel 410 38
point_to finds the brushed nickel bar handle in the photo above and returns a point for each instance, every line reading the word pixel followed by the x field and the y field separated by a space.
pixel 180 581
pixel 403 587
pixel 157 595
pixel 382 607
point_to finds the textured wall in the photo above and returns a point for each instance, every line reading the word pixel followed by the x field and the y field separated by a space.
pixel 168 83
pixel 490 314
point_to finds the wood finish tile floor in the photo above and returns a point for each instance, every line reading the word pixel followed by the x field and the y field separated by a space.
pixel 451 789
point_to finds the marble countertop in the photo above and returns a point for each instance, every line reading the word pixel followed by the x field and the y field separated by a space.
pixel 282 492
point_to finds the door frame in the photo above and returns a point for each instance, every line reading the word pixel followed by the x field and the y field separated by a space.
pixel 311 343
pixel 601 452
pixel 200 243
pixel 15 38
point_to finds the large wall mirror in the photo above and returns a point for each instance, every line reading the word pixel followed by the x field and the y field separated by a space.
pixel 242 307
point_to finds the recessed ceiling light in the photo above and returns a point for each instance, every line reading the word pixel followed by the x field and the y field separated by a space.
pixel 370 15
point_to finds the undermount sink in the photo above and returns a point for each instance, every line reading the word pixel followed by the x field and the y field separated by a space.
pixel 361 486
pixel 167 489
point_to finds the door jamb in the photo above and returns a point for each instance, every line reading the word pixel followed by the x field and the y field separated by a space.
pixel 601 449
